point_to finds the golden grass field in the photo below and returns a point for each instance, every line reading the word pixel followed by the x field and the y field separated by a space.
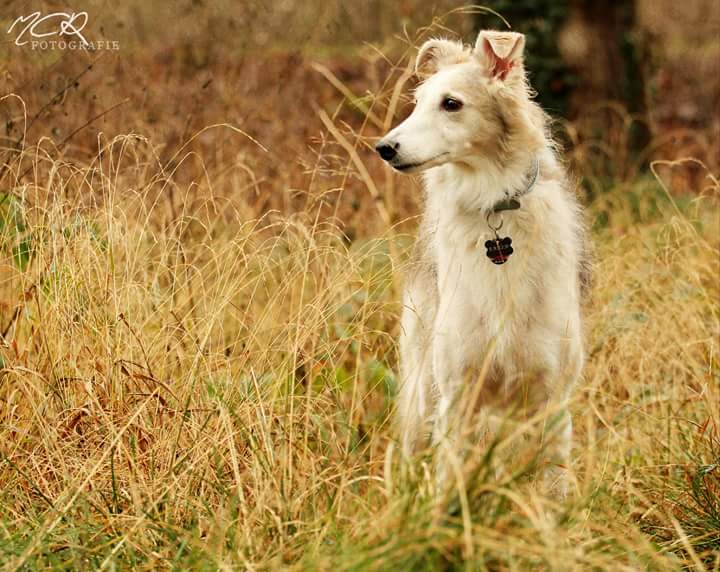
pixel 199 321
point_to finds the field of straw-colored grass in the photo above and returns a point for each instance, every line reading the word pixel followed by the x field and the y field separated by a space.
pixel 198 357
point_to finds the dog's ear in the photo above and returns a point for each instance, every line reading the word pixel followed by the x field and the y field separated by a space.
pixel 434 54
pixel 500 52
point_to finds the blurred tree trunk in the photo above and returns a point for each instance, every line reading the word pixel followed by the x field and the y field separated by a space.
pixel 597 42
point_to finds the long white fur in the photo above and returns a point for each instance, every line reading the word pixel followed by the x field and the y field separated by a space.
pixel 519 323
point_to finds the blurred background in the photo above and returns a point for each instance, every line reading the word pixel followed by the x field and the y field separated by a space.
pixel 628 82
pixel 201 259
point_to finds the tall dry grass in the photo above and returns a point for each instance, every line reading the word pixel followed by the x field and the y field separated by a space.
pixel 195 376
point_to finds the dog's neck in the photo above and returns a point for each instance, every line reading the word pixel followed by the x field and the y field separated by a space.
pixel 511 201
pixel 484 186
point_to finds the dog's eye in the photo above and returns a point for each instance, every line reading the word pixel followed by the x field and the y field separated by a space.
pixel 451 104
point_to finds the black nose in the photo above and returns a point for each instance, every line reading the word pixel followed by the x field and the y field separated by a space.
pixel 387 150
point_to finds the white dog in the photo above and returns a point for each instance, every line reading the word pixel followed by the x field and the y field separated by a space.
pixel 492 308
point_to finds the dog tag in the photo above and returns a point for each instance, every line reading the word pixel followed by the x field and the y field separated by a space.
pixel 499 249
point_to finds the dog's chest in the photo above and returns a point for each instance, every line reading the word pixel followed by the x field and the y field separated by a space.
pixel 491 298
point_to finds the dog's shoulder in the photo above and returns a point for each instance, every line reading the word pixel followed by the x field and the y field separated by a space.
pixel 570 187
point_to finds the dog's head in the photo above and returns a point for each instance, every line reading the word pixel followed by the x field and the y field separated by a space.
pixel 461 106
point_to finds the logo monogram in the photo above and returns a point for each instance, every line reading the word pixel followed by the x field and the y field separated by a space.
pixel 55 24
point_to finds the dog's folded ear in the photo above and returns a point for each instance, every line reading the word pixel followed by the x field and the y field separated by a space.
pixel 434 54
pixel 500 52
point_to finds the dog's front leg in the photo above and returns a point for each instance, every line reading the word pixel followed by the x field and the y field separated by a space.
pixel 447 371
pixel 415 393
pixel 556 457
pixel 557 430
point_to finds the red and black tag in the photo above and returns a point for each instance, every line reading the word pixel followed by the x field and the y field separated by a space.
pixel 499 249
